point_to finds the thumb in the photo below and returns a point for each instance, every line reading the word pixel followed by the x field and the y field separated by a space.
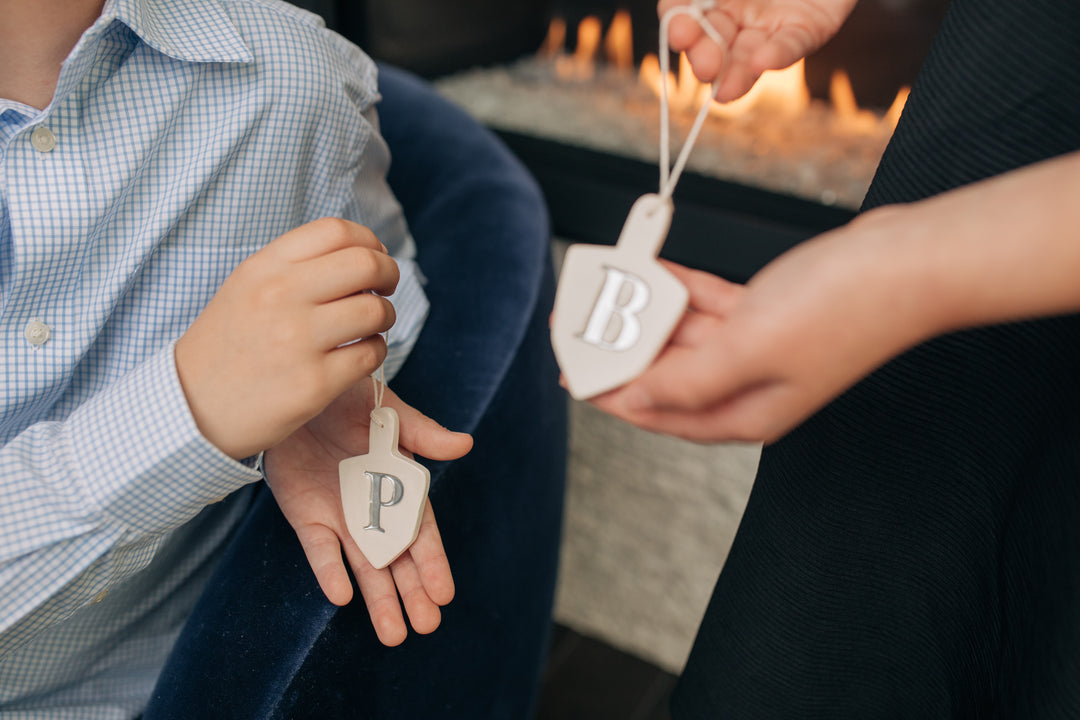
pixel 708 293
pixel 700 365
pixel 425 437
pixel 682 378
pixel 694 376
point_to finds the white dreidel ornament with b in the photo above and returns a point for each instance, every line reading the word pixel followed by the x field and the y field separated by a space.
pixel 617 307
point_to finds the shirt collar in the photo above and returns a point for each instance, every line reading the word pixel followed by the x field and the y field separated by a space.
pixel 190 30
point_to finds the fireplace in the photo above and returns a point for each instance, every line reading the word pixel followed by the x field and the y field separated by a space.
pixel 566 84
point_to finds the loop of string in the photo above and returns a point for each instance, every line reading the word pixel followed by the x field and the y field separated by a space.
pixel 669 176
pixel 378 379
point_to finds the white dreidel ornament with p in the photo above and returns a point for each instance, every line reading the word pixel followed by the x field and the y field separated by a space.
pixel 383 493
pixel 616 307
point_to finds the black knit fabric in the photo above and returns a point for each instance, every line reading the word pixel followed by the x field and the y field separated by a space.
pixel 913 550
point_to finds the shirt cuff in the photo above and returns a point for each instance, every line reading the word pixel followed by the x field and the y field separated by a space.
pixel 143 459
pixel 411 308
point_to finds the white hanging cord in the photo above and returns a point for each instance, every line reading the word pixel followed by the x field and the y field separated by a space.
pixel 378 378
pixel 669 176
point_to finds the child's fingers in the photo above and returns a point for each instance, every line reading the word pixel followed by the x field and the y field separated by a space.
pixel 345 320
pixel 348 271
pixel 381 597
pixel 431 561
pixel 323 236
pixel 424 615
pixel 423 576
pixel 349 364
pixel 323 551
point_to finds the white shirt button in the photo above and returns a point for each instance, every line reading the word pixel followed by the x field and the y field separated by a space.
pixel 37 333
pixel 99 597
pixel 43 139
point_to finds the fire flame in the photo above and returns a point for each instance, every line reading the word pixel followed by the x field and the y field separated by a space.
pixel 892 115
pixel 777 92
pixel 555 40
pixel 619 42
pixel 842 97
pixel 581 65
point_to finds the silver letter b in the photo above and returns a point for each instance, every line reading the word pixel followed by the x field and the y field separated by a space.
pixel 607 307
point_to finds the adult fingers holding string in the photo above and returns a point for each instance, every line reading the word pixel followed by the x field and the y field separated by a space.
pixel 754 36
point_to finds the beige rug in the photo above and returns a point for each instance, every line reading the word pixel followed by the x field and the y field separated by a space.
pixel 648 523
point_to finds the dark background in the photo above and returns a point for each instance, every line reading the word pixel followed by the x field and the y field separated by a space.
pixel 881 46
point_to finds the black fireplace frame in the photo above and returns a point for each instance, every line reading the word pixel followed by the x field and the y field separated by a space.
pixel 729 229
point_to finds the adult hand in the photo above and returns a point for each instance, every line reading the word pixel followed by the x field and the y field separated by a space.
pixel 302 472
pixel 750 363
pixel 760 35
pixel 274 345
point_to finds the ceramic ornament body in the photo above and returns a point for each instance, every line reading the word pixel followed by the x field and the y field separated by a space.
pixel 383 493
pixel 616 307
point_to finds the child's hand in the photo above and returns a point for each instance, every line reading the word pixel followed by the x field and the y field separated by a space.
pixel 302 472
pixel 266 354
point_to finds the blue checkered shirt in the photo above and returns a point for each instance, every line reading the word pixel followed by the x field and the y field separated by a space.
pixel 183 136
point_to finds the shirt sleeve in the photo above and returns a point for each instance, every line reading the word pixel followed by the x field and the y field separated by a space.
pixel 381 212
pixel 86 501
pixel 372 202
